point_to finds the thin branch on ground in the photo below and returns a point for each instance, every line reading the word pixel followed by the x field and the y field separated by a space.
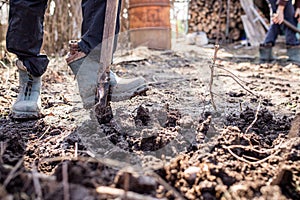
pixel 121 194
pixel 47 130
pixel 252 148
pixel 36 183
pixel 65 181
pixel 231 73
pixel 212 67
pixel 12 173
pixel 256 117
pixel 76 150
pixel 226 75
pixel 247 161
pixel 3 64
pixel 2 150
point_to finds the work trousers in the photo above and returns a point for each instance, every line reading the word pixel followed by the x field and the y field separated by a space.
pixel 25 30
pixel 274 30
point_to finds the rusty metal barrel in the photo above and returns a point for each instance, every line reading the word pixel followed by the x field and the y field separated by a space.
pixel 149 23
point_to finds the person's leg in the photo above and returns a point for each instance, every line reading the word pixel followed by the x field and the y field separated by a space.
pixel 24 38
pixel 265 49
pixel 274 29
pixel 93 12
pixel 25 33
pixel 85 62
pixel 292 42
pixel 289 15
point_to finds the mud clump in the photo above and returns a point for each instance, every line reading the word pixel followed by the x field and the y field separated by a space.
pixel 142 117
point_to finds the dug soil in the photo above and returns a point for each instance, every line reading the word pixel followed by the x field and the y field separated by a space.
pixel 203 130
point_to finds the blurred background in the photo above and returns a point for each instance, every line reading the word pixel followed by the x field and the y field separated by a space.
pixel 153 23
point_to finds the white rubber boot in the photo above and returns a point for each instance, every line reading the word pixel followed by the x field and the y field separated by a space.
pixel 28 103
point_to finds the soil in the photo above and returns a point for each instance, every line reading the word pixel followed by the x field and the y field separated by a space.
pixel 169 143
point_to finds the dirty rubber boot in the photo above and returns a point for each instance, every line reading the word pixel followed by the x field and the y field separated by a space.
pixel 126 88
pixel 85 68
pixel 293 53
pixel 28 103
pixel 265 53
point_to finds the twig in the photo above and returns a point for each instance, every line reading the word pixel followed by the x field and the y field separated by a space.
pixel 36 183
pixel 115 192
pixel 256 117
pixel 223 68
pixel 12 172
pixel 3 64
pixel 2 150
pixel 247 161
pixel 76 150
pixel 252 148
pixel 47 130
pixel 212 76
pixel 126 185
pixel 225 75
pixel 250 157
pixel 65 181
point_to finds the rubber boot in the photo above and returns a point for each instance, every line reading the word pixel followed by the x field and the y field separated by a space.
pixel 28 103
pixel 85 71
pixel 86 68
pixel 293 53
pixel 126 88
pixel 265 53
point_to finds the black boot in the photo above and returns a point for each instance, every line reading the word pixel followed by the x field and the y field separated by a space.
pixel 293 53
pixel 265 53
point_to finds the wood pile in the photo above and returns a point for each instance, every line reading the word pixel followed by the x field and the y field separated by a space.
pixel 217 18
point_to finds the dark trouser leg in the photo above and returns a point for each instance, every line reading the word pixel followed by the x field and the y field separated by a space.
pixel 92 33
pixel 290 35
pixel 25 33
pixel 274 28
pixel 93 12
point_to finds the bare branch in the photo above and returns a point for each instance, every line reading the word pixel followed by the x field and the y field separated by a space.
pixel 212 76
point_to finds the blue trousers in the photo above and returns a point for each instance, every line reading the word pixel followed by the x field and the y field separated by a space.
pixel 274 30
pixel 25 30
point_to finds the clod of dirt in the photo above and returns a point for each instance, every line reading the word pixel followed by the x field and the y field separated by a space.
pixel 87 174
pixel 142 116
pixel 103 113
pixel 201 131
pixel 266 123
pixel 173 115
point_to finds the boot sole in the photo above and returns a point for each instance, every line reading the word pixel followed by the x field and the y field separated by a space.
pixel 129 94
pixel 25 115
pixel 294 62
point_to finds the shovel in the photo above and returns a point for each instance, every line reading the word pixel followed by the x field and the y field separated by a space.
pixel 103 109
pixel 291 26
